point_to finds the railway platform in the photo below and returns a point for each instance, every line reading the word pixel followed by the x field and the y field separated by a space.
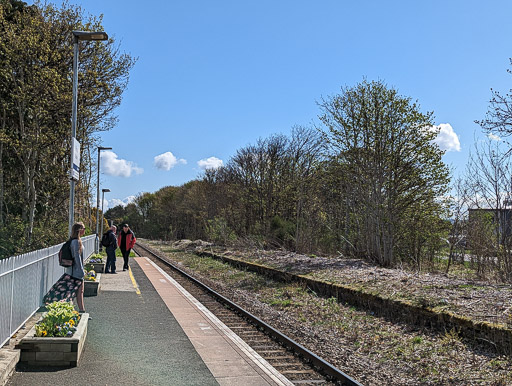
pixel 147 330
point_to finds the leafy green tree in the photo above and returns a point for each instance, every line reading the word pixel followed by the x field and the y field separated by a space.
pixel 117 215
pixel 376 192
pixel 36 52
pixel 218 231
pixel 384 143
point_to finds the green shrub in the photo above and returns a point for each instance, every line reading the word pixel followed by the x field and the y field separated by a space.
pixel 218 231
pixel 283 231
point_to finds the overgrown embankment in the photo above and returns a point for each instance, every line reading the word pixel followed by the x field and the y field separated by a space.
pixel 372 349
pixel 476 310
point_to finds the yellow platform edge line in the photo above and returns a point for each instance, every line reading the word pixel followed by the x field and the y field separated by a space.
pixel 134 282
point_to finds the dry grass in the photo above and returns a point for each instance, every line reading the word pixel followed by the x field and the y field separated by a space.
pixel 459 294
pixel 371 349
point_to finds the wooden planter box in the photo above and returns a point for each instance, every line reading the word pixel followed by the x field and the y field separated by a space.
pixel 92 288
pixel 98 267
pixel 53 351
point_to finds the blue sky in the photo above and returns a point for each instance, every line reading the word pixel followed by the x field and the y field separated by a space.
pixel 214 76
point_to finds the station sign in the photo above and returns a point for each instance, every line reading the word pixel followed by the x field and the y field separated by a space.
pixel 75 163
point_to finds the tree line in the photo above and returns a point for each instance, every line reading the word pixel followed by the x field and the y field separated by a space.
pixel 369 183
pixel 36 54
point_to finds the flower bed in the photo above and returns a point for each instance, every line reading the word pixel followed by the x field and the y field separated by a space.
pixel 98 267
pixel 90 275
pixel 60 320
pixel 91 283
pixel 57 339
pixel 97 263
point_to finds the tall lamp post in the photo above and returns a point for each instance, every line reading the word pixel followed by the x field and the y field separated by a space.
pixel 103 191
pixel 88 36
pixel 100 148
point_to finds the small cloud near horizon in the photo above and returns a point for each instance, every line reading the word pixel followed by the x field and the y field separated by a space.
pixel 210 163
pixel 494 137
pixel 109 204
pixel 167 161
pixel 113 166
pixel 447 139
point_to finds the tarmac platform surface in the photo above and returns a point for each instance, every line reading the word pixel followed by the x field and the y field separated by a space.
pixel 147 330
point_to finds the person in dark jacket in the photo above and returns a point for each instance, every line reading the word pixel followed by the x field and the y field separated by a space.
pixel 126 241
pixel 110 267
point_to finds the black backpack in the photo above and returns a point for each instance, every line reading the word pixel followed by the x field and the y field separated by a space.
pixel 105 240
pixel 65 256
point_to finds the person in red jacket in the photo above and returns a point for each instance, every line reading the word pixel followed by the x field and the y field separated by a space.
pixel 126 241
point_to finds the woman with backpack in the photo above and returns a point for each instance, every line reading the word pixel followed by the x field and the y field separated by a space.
pixel 76 271
pixel 71 282
pixel 126 241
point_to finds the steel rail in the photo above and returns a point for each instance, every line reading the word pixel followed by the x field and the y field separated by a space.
pixel 325 367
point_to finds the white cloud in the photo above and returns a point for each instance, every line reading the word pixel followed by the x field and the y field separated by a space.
pixel 210 163
pixel 113 166
pixel 494 137
pixel 167 161
pixel 108 204
pixel 447 139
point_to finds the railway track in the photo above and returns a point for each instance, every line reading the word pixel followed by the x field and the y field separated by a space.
pixel 295 362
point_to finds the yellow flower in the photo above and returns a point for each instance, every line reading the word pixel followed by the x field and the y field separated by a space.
pixel 44 333
pixel 71 322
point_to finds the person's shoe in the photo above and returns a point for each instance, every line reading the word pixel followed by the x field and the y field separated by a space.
pixel 108 272
pixel 114 272
pixel 124 269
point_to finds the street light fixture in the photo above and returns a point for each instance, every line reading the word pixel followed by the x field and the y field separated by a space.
pixel 88 36
pixel 103 191
pixel 100 148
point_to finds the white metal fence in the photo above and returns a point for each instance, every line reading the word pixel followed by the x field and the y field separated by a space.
pixel 24 280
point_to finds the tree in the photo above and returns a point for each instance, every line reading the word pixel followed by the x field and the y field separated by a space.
pixel 117 215
pixel 457 238
pixel 488 175
pixel 36 51
pixel 267 187
pixel 498 119
pixel 303 154
pixel 145 203
pixel 384 144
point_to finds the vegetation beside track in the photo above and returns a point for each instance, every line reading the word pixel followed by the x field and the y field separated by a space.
pixel 476 301
pixel 369 348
